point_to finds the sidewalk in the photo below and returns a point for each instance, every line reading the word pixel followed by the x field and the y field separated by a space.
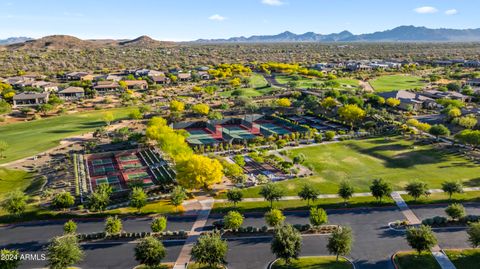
pixel 437 252
pixel 185 256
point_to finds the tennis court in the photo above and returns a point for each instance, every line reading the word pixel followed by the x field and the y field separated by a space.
pixel 274 128
pixel 102 169
pixel 102 161
pixel 238 132
pixel 131 165
pixel 201 136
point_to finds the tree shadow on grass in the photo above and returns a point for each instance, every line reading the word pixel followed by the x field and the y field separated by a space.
pixel 404 159
pixel 474 182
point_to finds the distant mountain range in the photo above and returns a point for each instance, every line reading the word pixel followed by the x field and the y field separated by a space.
pixel 57 42
pixel 398 34
pixel 14 40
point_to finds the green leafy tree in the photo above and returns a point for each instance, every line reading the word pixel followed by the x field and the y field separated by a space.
pixel 113 225
pixel 233 220
pixel 210 249
pixel 329 135
pixel 64 251
pixel 63 200
pixel 421 238
pixel 318 216
pixel 235 196
pixel 13 261
pixel 455 211
pixel 416 189
pixel 100 198
pixel 159 224
pixel 15 203
pixel 286 243
pixel 438 130
pixel 138 198
pixel 351 114
pixel 271 192
pixel 150 251
pixel 274 217
pixel 474 234
pixel 380 189
pixel 308 193
pixel 340 241
pixel 70 227
pixel 345 190
pixel 108 118
pixel 452 187
pixel 177 196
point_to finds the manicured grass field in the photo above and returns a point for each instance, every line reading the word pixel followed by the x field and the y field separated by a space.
pixel 314 263
pixel 12 180
pixel 326 203
pixel 258 87
pixel 394 159
pixel 306 82
pixel 396 82
pixel 442 198
pixel 29 138
pixel 464 259
pixel 35 212
pixel 411 260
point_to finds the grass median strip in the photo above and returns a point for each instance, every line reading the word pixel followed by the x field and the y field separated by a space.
pixel 413 260
pixel 464 258
pixel 328 203
pixel 314 263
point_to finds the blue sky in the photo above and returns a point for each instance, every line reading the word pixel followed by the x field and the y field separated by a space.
pixel 180 20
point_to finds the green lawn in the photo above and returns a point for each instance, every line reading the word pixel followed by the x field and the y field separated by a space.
pixel 12 180
pixel 396 82
pixel 325 203
pixel 396 160
pixel 442 198
pixel 35 212
pixel 258 87
pixel 29 138
pixel 306 82
pixel 464 259
pixel 314 263
pixel 411 260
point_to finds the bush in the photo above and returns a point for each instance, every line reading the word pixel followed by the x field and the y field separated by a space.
pixel 455 211
pixel 439 220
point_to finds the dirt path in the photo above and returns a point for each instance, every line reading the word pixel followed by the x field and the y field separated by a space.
pixel 366 86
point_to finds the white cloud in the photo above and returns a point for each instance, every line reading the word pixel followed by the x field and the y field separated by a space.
pixel 217 17
pixel 451 11
pixel 272 2
pixel 426 10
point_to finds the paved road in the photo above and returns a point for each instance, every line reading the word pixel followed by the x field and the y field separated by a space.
pixel 373 246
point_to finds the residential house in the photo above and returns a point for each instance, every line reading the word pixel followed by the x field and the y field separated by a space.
pixel 136 84
pixel 472 64
pixel 111 77
pixel 184 76
pixel 79 76
pixel 410 100
pixel 448 94
pixel 474 82
pixel 204 75
pixel 71 93
pixel 26 99
pixel 162 80
pixel 148 73
pixel 357 66
pixel 105 87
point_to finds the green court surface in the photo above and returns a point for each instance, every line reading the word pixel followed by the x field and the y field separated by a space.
pixel 128 158
pixel 200 136
pixel 238 132
pixel 132 165
pixel 103 169
pixel 274 128
pixel 138 176
pixel 101 161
